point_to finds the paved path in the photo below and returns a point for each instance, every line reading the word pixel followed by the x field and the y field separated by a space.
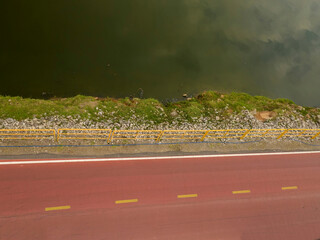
pixel 268 196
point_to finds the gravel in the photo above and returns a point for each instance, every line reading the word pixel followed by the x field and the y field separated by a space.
pixel 243 120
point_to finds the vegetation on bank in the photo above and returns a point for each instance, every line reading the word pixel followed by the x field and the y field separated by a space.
pixel 207 104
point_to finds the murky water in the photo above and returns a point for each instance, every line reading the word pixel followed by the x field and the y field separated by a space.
pixel 167 48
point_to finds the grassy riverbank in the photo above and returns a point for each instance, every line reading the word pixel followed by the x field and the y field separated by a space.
pixel 209 104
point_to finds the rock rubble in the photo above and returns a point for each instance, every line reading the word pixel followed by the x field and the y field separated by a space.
pixel 243 120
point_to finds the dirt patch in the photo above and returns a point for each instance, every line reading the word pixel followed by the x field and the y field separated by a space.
pixel 91 104
pixel 265 115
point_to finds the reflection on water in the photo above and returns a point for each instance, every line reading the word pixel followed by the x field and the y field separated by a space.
pixel 167 48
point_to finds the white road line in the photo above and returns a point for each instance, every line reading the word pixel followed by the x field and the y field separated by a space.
pixel 43 161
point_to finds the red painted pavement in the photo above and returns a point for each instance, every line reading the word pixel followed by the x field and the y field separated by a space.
pixel 91 190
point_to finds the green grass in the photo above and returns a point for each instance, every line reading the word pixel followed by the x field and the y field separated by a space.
pixel 22 108
pixel 207 104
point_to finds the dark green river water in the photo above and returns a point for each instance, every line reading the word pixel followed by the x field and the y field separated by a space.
pixel 166 47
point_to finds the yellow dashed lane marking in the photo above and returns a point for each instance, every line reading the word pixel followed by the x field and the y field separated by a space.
pixel 187 196
pixel 126 201
pixel 241 191
pixel 289 188
pixel 178 196
pixel 57 208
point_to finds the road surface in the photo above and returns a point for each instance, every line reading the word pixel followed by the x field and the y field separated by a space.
pixel 231 197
